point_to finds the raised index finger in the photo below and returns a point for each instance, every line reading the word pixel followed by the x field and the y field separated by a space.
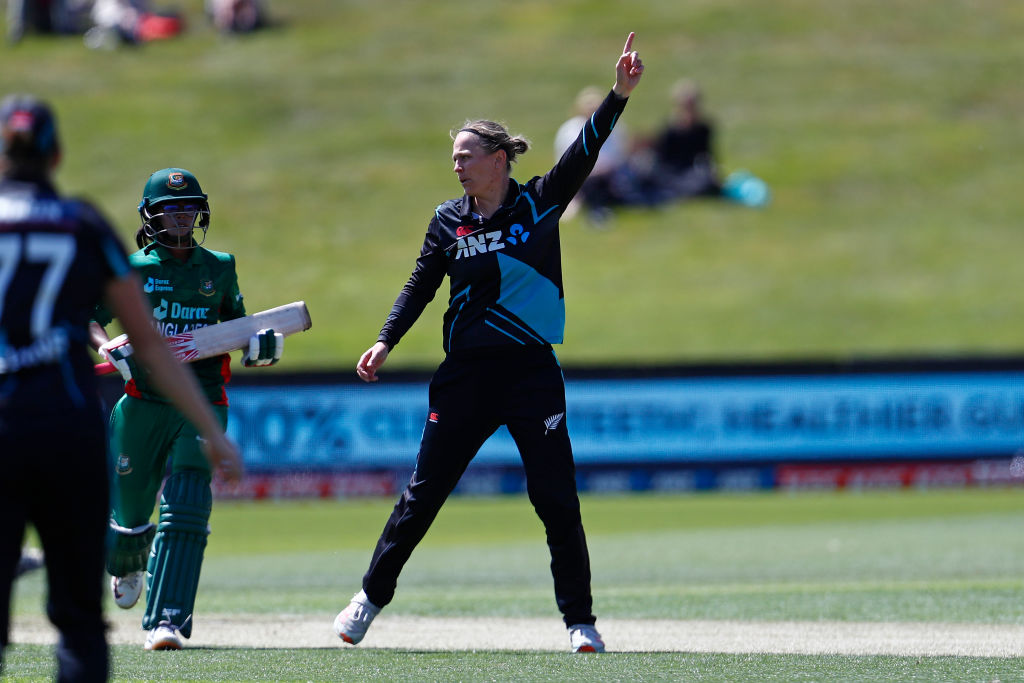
pixel 629 43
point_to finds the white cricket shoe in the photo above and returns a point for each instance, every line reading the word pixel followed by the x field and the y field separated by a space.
pixel 585 638
pixel 127 589
pixel 164 637
pixel 352 622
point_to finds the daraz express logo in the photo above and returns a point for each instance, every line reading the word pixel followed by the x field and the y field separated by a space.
pixel 160 312
pixel 155 284
pixel 179 312
pixel 176 180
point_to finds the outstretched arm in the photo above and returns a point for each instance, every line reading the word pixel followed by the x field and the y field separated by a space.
pixel 563 181
pixel 628 69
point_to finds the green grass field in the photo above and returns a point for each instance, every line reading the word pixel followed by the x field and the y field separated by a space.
pixel 944 557
pixel 888 131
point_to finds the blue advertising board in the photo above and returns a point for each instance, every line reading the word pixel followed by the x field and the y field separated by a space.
pixel 671 420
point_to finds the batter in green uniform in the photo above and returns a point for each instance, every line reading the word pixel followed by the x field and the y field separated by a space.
pixel 188 287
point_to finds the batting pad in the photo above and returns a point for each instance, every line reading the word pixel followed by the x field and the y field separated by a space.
pixel 128 549
pixel 173 575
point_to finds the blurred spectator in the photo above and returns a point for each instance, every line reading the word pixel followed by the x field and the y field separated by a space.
pixel 237 16
pixel 130 22
pixel 680 161
pixel 683 156
pixel 608 183
pixel 46 16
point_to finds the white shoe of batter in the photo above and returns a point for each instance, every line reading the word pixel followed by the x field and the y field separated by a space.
pixel 127 589
pixel 164 637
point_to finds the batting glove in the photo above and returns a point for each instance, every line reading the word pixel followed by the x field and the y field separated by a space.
pixel 118 351
pixel 265 348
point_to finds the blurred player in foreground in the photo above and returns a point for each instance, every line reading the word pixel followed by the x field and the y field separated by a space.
pixel 31 559
pixel 187 287
pixel 58 258
pixel 499 246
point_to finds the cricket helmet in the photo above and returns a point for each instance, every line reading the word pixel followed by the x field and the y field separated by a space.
pixel 174 188
pixel 28 129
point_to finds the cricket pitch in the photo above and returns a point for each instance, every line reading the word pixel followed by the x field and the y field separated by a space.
pixel 620 635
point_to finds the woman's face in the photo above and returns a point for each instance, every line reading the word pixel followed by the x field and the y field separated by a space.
pixel 478 171
pixel 177 219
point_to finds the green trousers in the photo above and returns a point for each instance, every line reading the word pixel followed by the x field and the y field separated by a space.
pixel 144 435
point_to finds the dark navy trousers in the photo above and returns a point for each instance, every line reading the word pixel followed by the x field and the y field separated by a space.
pixel 55 476
pixel 473 393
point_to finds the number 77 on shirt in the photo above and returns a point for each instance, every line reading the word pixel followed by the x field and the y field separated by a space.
pixel 231 335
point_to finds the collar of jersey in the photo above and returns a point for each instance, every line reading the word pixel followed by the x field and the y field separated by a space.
pixel 511 197
pixel 164 255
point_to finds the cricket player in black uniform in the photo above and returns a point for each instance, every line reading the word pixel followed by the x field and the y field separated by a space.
pixel 58 258
pixel 499 246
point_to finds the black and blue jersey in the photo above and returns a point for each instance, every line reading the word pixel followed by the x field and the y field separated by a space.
pixel 505 271
pixel 57 256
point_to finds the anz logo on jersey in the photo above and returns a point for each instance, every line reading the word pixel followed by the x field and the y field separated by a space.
pixel 471 245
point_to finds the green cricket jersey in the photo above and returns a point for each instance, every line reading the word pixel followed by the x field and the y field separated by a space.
pixel 185 296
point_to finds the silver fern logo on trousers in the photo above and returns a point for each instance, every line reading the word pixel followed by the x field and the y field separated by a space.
pixel 551 423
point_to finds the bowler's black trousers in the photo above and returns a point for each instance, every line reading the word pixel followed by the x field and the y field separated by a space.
pixel 473 393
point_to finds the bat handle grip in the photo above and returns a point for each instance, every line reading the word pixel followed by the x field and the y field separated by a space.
pixel 103 368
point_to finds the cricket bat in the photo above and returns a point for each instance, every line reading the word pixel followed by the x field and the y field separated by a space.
pixel 231 335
